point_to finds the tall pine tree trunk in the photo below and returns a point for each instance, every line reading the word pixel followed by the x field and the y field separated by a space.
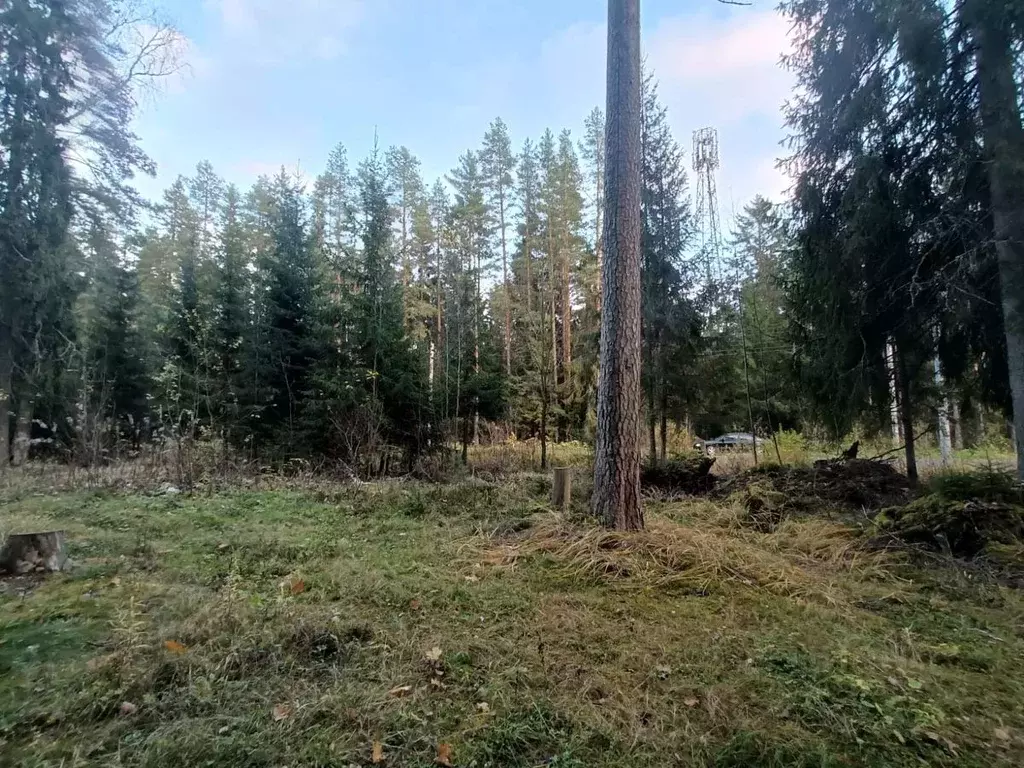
pixel 1003 139
pixel 505 289
pixel 6 387
pixel 476 353
pixel 616 497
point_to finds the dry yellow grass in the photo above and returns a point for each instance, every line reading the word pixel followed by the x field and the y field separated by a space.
pixel 800 559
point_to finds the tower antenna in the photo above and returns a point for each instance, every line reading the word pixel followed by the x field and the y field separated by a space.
pixel 706 162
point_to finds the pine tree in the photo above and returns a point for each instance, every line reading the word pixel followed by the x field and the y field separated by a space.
pixel 498 163
pixel 548 205
pixel 616 497
pixel 471 221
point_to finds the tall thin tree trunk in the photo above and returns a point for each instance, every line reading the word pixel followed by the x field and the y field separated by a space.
pixel 566 320
pixel 746 382
pixel 617 499
pixel 942 420
pixel 554 357
pixel 598 233
pixel 476 352
pixel 664 421
pixel 505 288
pixel 957 424
pixel 6 387
pixel 553 288
pixel 652 430
pixel 528 256
pixel 1003 138
pixel 906 414
pixel 23 430
pixel 544 426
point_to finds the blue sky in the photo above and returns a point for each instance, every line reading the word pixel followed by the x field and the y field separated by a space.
pixel 274 82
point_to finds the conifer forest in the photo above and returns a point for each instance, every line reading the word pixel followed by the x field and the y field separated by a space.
pixel 355 464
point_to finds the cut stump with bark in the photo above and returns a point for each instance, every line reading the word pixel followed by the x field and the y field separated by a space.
pixel 33 552
pixel 562 488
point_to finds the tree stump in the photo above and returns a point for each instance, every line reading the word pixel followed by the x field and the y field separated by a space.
pixel 28 552
pixel 562 488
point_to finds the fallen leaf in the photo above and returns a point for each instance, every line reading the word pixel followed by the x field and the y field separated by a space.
pixel 224 545
pixel 127 709
pixel 414 604
pixel 691 701
pixel 434 654
pixel 399 691
pixel 483 707
pixel 436 682
pixel 378 753
pixel 444 754
pixel 281 712
pixel 174 647
pixel 472 578
pixel 1002 734
pixel 298 586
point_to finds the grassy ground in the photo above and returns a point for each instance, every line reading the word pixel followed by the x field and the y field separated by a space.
pixel 315 627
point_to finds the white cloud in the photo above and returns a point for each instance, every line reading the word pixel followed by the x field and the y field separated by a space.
pixel 721 72
pixel 726 69
pixel 277 31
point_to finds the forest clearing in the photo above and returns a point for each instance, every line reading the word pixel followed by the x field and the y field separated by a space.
pixel 676 421
pixel 307 622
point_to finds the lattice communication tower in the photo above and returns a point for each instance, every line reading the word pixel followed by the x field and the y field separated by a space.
pixel 706 162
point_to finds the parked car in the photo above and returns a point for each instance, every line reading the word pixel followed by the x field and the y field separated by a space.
pixel 730 440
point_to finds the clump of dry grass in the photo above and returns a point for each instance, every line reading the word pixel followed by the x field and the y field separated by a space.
pixel 800 559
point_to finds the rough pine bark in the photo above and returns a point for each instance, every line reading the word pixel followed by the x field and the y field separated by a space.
pixel 616 497
pixel 1003 138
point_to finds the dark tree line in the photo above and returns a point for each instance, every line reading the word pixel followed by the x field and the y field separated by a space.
pixel 370 316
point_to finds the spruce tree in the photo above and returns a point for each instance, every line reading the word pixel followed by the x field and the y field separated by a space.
pixel 116 376
pixel 669 317
pixel 290 274
pixel 231 315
